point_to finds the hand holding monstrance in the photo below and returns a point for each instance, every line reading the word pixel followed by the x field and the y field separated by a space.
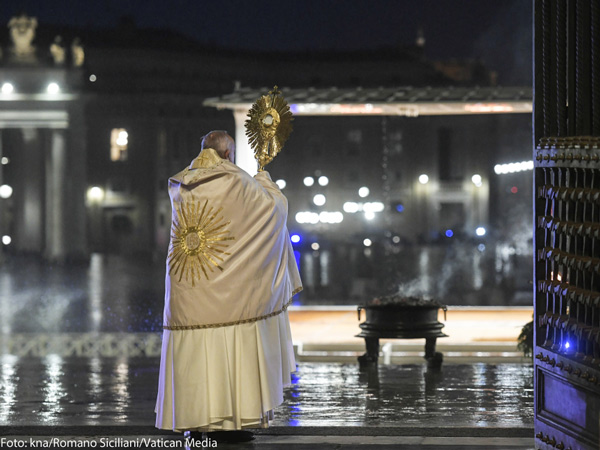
pixel 268 126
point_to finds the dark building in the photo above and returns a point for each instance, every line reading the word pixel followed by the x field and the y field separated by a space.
pixel 43 146
pixel 137 106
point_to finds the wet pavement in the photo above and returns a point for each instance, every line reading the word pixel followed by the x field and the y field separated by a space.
pixel 112 294
pixel 79 360
pixel 55 391
pixel 77 397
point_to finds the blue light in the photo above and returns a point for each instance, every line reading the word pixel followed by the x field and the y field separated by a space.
pixel 567 345
pixel 449 233
pixel 399 208
pixel 295 238
pixel 294 108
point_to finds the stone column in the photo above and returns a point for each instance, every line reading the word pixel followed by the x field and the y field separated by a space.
pixel 244 156
pixel 55 197
pixel 2 205
pixel 75 186
pixel 28 191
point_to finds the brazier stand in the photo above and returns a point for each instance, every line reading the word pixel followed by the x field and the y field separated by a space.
pixel 401 322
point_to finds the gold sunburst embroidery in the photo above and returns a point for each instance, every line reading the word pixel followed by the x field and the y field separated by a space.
pixel 198 244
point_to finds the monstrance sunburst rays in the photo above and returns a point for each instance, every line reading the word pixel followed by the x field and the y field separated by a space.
pixel 198 240
pixel 268 126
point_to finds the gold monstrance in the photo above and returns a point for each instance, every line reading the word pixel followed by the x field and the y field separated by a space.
pixel 268 127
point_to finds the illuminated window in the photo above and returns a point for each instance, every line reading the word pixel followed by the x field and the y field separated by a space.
pixel 119 139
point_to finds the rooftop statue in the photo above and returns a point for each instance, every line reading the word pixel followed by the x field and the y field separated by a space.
pixel 77 52
pixel 57 50
pixel 22 33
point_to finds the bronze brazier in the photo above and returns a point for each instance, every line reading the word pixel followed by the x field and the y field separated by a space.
pixel 401 319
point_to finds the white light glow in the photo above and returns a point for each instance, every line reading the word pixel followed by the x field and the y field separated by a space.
pixel 476 179
pixel 7 88
pixel 5 191
pixel 522 166
pixel 93 78
pixel 480 231
pixel 351 207
pixel 281 184
pixel 368 207
pixel 307 217
pixel 122 139
pixel 363 191
pixel 319 199
pixel 6 240
pixel 372 207
pixel 323 180
pixel 367 242
pixel 331 217
pixel 95 193
pixel 295 238
pixel 5 160
pixel 313 218
pixel 309 181
pixel 53 88
pixel 488 108
pixel 355 109
pixel 369 215
pixel 315 246
pixel 423 179
pixel 396 239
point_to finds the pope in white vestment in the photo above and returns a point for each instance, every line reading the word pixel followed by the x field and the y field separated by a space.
pixel 231 273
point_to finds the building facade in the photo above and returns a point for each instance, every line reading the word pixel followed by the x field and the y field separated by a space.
pixel 136 115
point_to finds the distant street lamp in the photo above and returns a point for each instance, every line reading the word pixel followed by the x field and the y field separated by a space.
pixel 7 88
pixel 53 88
pixel 363 191
pixel 95 194
pixel 5 191
pixel 319 199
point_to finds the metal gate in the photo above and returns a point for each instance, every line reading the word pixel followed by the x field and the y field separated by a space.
pixel 567 223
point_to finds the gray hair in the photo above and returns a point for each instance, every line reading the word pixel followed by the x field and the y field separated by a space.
pixel 220 141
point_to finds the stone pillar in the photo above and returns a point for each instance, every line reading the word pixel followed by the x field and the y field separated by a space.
pixel 3 202
pixel 75 186
pixel 55 198
pixel 244 156
pixel 28 191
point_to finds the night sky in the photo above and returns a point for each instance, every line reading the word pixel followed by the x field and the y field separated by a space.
pixel 499 32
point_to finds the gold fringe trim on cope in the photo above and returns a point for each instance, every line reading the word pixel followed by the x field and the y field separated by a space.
pixel 237 322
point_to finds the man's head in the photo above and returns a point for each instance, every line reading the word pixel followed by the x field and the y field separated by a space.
pixel 222 143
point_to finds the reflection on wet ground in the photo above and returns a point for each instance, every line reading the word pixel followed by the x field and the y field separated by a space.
pixel 110 314
pixel 459 395
pixel 55 391
pixel 117 294
pixel 111 294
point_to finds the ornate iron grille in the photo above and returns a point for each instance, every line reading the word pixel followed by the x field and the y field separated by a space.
pixel 567 223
